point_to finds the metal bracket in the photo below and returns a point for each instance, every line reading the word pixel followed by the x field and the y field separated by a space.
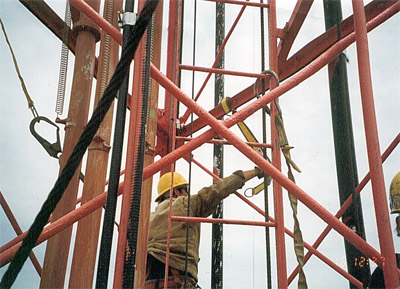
pixel 127 18
pixel 179 125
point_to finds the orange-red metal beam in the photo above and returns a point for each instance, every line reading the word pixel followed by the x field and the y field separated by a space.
pixel 223 71
pixel 345 206
pixel 60 224
pixel 280 244
pixel 50 19
pixel 222 129
pixel 389 267
pixel 310 248
pixel 292 28
pixel 18 231
pixel 87 234
pixel 243 3
pixel 221 221
pixel 224 142
pixel 151 125
pixel 377 12
pixel 57 249
pixel 185 116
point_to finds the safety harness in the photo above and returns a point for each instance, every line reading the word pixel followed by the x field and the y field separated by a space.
pixel 176 279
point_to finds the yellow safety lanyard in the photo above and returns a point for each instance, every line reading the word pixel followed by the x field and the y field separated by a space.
pixel 53 149
pixel 285 148
pixel 250 137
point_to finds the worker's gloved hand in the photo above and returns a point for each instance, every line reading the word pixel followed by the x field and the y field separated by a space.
pixel 260 173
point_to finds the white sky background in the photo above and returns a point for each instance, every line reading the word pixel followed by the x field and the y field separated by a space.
pixel 28 173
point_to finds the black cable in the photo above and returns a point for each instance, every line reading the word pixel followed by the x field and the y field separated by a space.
pixel 79 150
pixel 264 113
pixel 128 279
pixel 107 233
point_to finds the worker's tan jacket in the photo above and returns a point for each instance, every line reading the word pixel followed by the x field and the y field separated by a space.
pixel 202 204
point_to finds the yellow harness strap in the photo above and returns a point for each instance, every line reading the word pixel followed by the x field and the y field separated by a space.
pixel 250 137
pixel 298 237
pixel 31 105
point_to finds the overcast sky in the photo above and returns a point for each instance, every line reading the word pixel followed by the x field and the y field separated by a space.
pixel 28 173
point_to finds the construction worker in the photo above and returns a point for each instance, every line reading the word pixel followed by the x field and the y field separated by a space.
pixel 201 204
pixel 377 280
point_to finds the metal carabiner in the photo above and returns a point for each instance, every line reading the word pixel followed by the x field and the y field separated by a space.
pixel 255 88
pixel 53 149
pixel 249 195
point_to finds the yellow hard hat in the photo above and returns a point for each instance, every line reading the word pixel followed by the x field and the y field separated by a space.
pixel 164 184
pixel 395 194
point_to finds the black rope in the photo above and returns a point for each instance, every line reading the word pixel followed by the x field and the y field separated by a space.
pixel 264 114
pixel 107 233
pixel 79 150
pixel 128 279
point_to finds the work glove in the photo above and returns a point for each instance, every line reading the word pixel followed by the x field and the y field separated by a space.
pixel 260 172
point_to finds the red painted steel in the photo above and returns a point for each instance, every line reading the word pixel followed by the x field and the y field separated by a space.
pixel 345 206
pixel 222 129
pixel 60 224
pixel 185 116
pixel 151 130
pixel 98 19
pixel 292 28
pixel 243 3
pixel 57 248
pixel 310 248
pixel 171 103
pixel 223 71
pixel 280 244
pixel 378 12
pixel 172 72
pixel 375 164
pixel 88 229
pixel 224 142
pixel 18 231
pixel 221 221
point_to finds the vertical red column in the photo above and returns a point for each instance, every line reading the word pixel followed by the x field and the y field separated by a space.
pixel 56 257
pixel 85 250
pixel 375 164
pixel 151 128
pixel 173 58
pixel 276 155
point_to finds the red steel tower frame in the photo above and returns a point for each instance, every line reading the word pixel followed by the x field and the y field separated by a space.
pixel 295 69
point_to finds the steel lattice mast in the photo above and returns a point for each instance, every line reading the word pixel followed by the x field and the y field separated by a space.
pixel 296 69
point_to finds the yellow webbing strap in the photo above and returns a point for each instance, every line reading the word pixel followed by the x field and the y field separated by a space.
pixel 31 105
pixel 242 126
pixel 225 105
pixel 250 137
pixel 298 237
pixel 254 191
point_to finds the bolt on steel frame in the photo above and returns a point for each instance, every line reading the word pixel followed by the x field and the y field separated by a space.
pixel 324 49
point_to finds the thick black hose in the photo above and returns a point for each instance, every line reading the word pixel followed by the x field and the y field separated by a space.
pixel 115 168
pixel 264 112
pixel 79 150
pixel 128 279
